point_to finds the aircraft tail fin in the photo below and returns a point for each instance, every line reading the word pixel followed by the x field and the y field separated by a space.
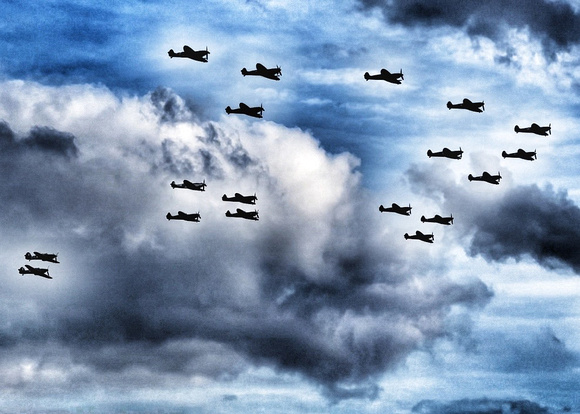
pixel 367 76
pixel 244 71
pixel 228 110
pixel 517 129
pixel 429 153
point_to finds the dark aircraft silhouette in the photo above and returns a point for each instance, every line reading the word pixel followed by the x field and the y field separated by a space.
pixel 248 215
pixel 492 179
pixel 241 199
pixel 261 70
pixel 427 238
pixel 199 55
pixel 524 155
pixel 189 185
pixel 467 104
pixel 535 129
pixel 438 219
pixel 255 111
pixel 45 257
pixel 386 76
pixel 37 271
pixel 184 216
pixel 447 153
pixel 395 208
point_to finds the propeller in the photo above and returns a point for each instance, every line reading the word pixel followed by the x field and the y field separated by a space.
pixel 550 129
pixel 279 70
pixel 401 72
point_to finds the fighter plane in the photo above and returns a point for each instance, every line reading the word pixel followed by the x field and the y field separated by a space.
pixel 438 219
pixel 261 70
pixel 492 179
pixel 184 216
pixel 199 55
pixel 248 215
pixel 386 76
pixel 395 208
pixel 535 129
pixel 524 155
pixel 38 271
pixel 45 257
pixel 467 104
pixel 427 238
pixel 189 185
pixel 255 111
pixel 241 199
pixel 447 153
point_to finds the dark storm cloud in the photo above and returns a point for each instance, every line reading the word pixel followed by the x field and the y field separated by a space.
pixel 554 22
pixel 523 221
pixel 43 139
pixel 530 221
pixel 481 406
pixel 215 298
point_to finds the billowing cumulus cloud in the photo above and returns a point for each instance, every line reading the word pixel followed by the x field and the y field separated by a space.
pixel 310 288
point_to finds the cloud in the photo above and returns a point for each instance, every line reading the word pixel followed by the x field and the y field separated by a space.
pixel 553 22
pixel 310 289
pixel 529 221
pixel 515 222
pixel 481 406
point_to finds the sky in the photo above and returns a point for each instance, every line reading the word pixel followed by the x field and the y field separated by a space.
pixel 321 306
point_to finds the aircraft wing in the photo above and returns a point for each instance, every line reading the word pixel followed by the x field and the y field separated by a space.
pixel 29 267
pixel 187 49
pixel 260 67
pixel 244 106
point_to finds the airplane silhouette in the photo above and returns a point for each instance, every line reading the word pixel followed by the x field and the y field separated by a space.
pixel 492 179
pixel 248 215
pixel 45 257
pixel 37 271
pixel 524 155
pixel 196 217
pixel 241 199
pixel 467 104
pixel 199 55
pixel 261 70
pixel 447 153
pixel 189 185
pixel 438 219
pixel 427 238
pixel 395 208
pixel 386 76
pixel 535 129
pixel 255 111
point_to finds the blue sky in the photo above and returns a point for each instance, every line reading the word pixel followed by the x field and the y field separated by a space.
pixel 321 305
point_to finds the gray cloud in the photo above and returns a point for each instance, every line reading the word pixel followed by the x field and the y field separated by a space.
pixel 481 406
pixel 555 23
pixel 308 289
pixel 529 221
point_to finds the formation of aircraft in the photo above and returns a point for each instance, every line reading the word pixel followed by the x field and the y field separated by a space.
pixel 447 153
pixel 395 208
pixel 427 238
pixel 487 177
pixel 248 215
pixel 45 257
pixel 255 111
pixel 261 70
pixel 195 217
pixel 535 129
pixel 438 219
pixel 189 185
pixel 467 104
pixel 199 55
pixel 385 75
pixel 238 198
pixel 37 271
pixel 520 153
